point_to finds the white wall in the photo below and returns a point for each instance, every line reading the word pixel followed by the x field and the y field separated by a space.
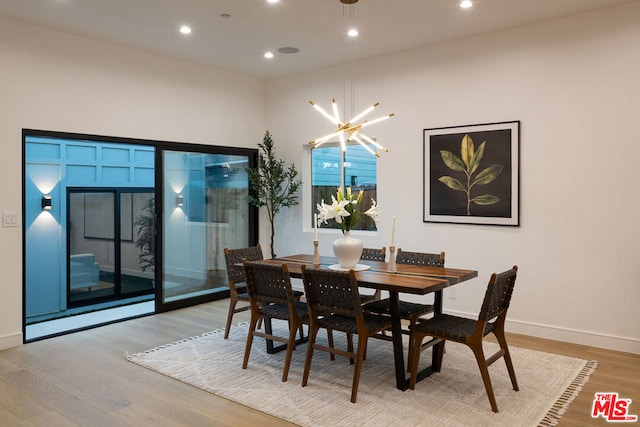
pixel 573 83
pixel 59 82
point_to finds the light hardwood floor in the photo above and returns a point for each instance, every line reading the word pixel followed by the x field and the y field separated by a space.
pixel 83 378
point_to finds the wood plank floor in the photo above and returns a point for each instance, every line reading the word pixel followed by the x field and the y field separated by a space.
pixel 83 378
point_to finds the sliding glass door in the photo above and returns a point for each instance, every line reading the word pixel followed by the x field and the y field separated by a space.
pixel 110 242
pixel 118 227
pixel 205 209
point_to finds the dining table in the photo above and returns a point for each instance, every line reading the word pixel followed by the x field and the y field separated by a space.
pixel 407 279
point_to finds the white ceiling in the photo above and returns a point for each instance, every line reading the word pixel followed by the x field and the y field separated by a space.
pixel 316 27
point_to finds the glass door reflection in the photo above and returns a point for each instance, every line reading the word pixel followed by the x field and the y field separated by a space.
pixel 205 209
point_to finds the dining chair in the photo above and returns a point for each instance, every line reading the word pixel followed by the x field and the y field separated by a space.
pixel 410 311
pixel 334 304
pixel 373 254
pixel 236 280
pixel 445 327
pixel 233 257
pixel 271 295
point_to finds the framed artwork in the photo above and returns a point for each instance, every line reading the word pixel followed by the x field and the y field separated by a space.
pixel 471 174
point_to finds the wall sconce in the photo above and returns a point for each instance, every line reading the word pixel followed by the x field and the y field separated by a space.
pixel 46 202
pixel 179 200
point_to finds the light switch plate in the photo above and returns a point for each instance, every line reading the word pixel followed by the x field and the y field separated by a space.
pixel 9 219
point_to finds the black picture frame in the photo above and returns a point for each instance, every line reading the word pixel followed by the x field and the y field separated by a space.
pixel 472 174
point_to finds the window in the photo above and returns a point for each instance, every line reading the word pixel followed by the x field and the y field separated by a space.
pixel 331 168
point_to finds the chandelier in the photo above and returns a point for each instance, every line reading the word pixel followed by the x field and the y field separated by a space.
pixel 347 131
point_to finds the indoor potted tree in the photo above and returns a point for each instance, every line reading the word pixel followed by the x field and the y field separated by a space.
pixel 274 184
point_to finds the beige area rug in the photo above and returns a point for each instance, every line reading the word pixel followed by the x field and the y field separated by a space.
pixel 454 397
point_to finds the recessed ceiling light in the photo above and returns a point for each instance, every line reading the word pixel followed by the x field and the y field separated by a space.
pixel 352 32
pixel 273 1
pixel 466 4
pixel 185 29
pixel 268 55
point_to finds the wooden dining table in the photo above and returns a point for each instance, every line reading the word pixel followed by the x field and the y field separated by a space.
pixel 409 279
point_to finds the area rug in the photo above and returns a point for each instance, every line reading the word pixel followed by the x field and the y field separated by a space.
pixel 454 397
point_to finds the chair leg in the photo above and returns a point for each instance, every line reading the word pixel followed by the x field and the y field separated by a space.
pixel 232 308
pixel 364 356
pixel 290 346
pixel 484 371
pixel 247 348
pixel 502 340
pixel 313 332
pixel 350 346
pixel 330 341
pixel 362 347
pixel 416 342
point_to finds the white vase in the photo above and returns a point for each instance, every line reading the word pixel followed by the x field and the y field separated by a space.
pixel 347 250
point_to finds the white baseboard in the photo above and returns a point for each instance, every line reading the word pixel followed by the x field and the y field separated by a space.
pixel 575 336
pixel 10 341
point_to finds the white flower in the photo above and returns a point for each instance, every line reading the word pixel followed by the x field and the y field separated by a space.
pixel 322 212
pixel 344 209
pixel 335 211
pixel 373 212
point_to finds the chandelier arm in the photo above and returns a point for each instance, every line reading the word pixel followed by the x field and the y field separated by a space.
pixel 325 138
pixel 336 113
pixel 379 119
pixel 359 141
pixel 373 142
pixel 365 112
pixel 324 113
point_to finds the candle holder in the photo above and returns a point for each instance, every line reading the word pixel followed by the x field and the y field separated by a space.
pixel 392 260
pixel 316 254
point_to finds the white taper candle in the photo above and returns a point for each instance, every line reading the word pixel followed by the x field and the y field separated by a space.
pixel 393 230
pixel 315 226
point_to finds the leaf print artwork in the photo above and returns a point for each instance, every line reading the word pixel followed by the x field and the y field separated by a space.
pixel 468 163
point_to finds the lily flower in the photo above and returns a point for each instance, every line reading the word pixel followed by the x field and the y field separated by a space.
pixel 322 212
pixel 344 209
pixel 373 212
pixel 334 211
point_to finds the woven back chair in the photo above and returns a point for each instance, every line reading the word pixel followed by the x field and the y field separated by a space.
pixel 236 279
pixel 443 327
pixel 373 254
pixel 420 258
pixel 270 295
pixel 334 304
pixel 410 311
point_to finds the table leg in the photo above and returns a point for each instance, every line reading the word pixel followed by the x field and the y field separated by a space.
pixel 438 349
pixel 271 349
pixel 396 332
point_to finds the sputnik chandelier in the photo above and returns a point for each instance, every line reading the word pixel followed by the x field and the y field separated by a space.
pixel 348 131
pixel 351 130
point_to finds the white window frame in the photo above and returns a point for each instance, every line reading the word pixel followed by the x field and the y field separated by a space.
pixel 307 209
